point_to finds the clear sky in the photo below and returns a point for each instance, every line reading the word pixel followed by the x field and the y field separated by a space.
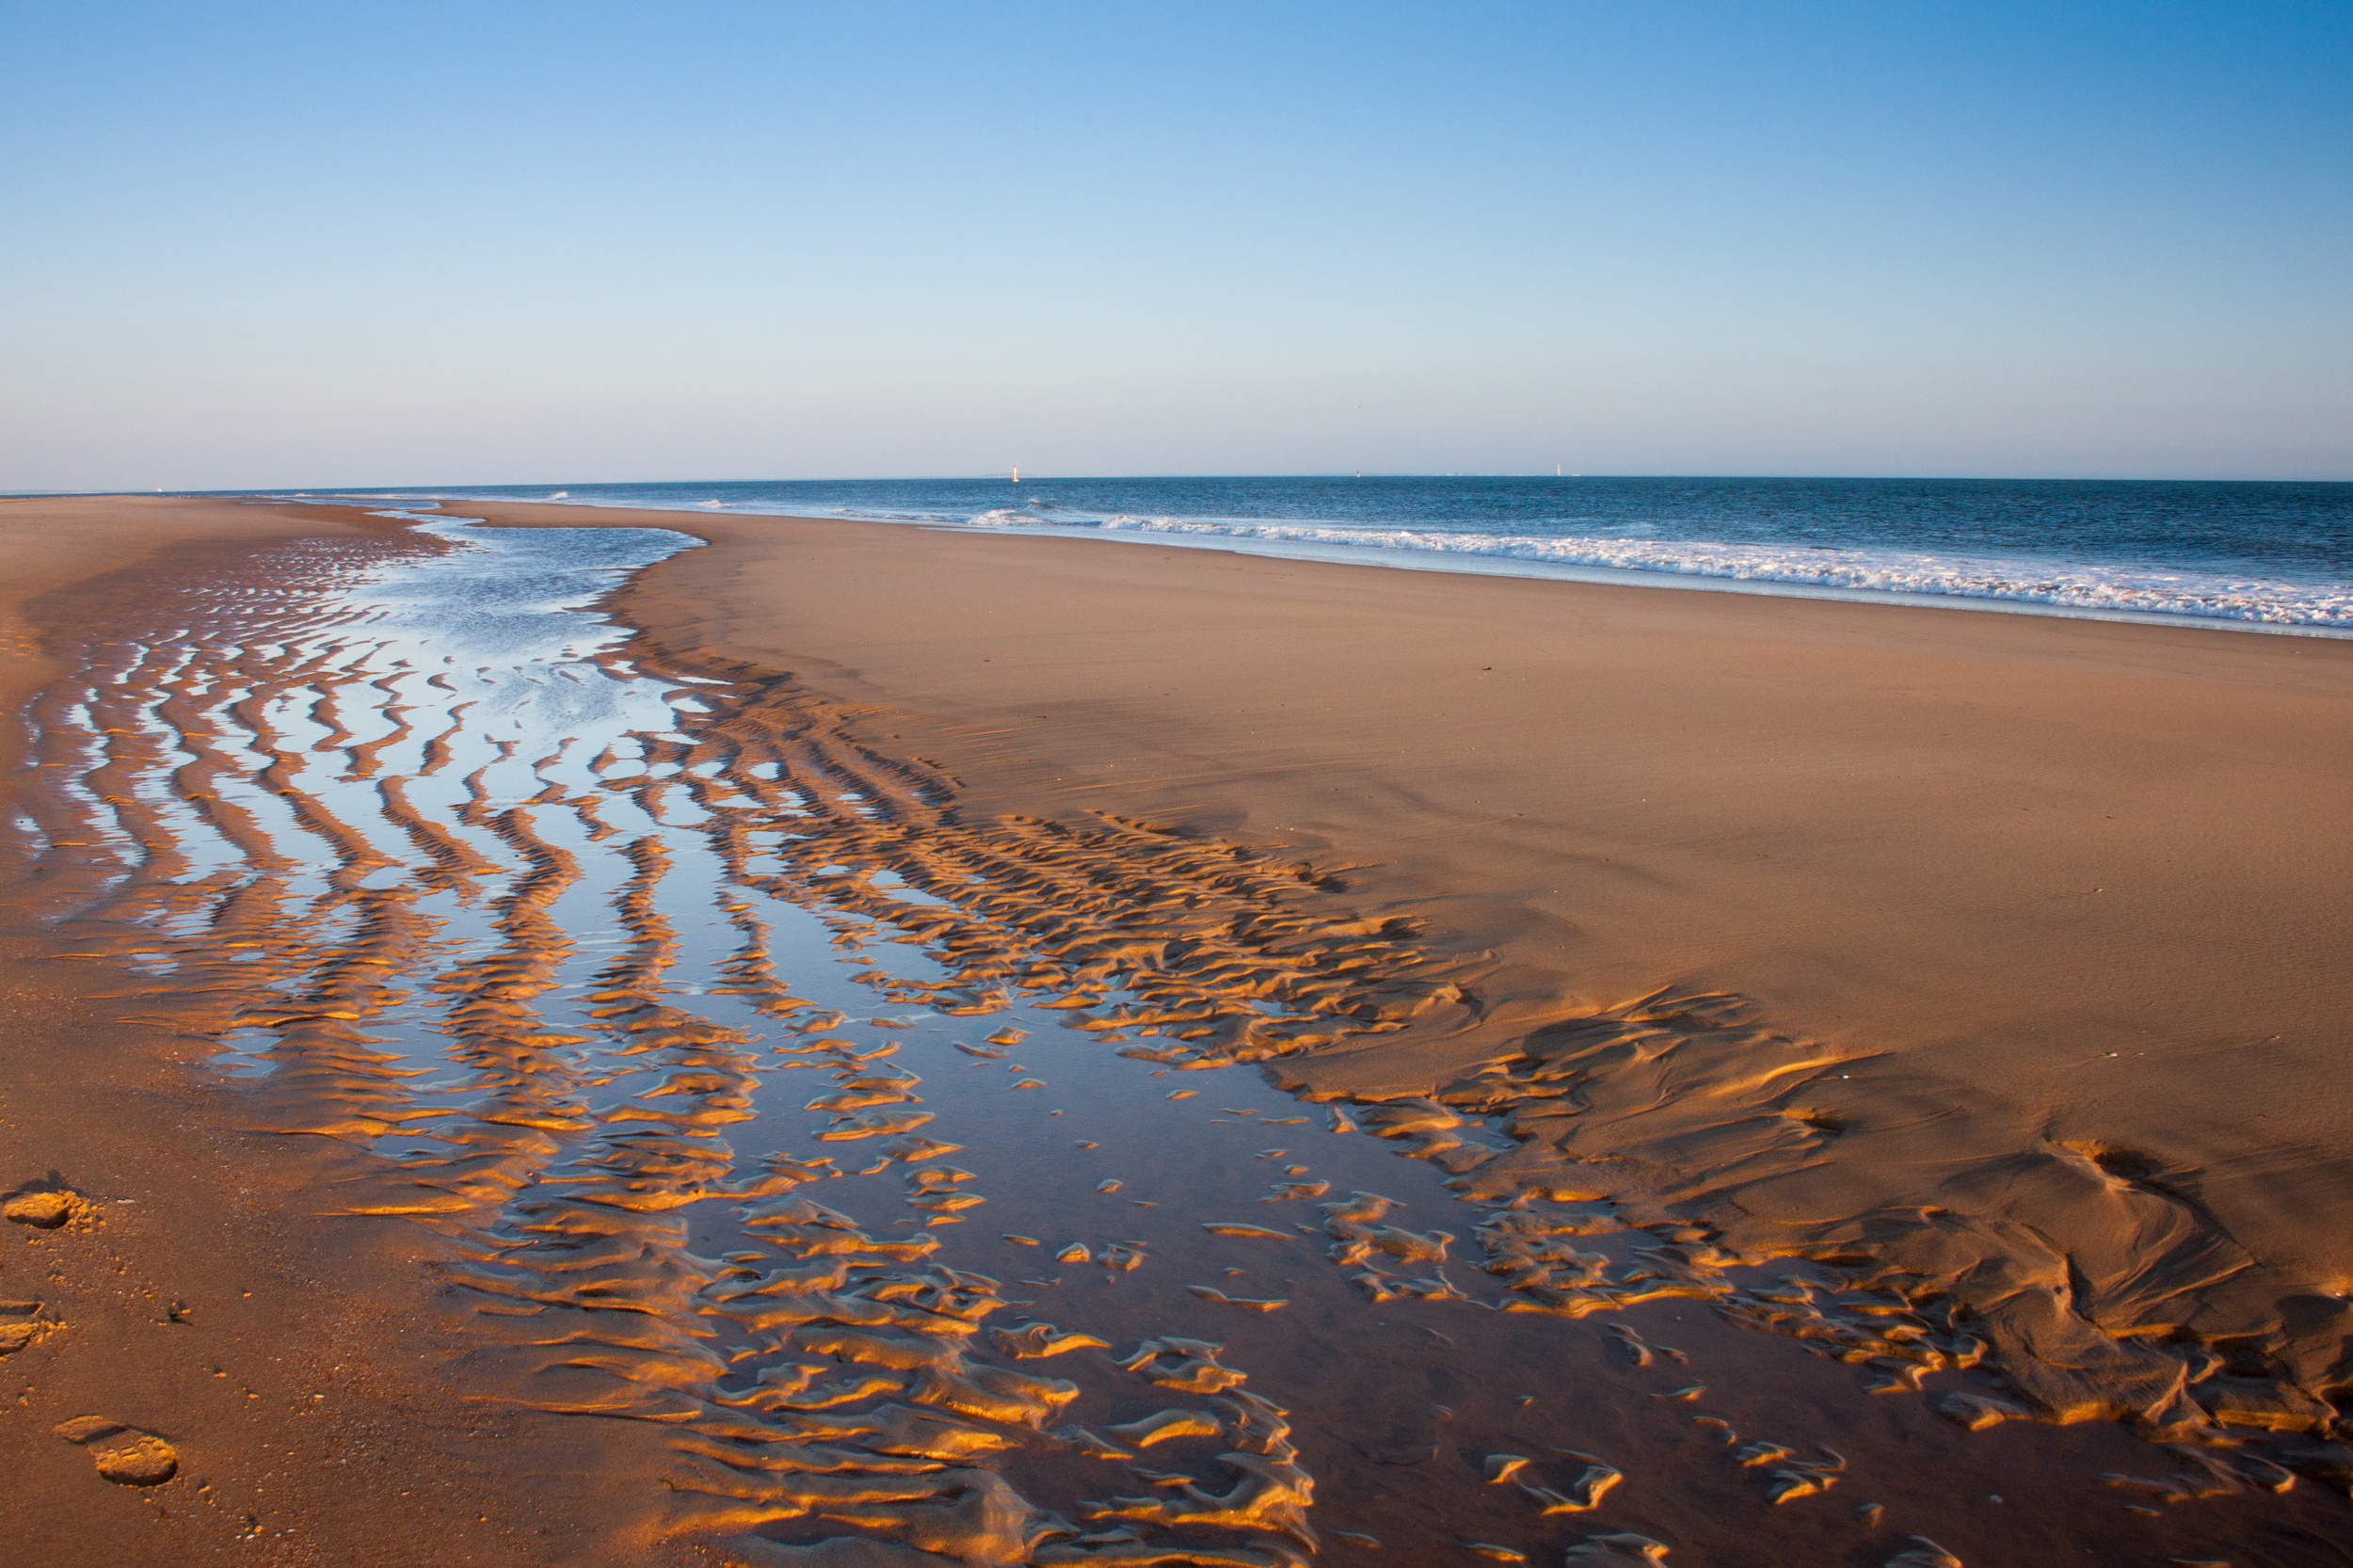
pixel 474 243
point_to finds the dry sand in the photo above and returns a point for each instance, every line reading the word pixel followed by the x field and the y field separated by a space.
pixel 2056 908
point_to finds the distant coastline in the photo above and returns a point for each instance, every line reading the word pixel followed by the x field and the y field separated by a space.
pixel 2256 555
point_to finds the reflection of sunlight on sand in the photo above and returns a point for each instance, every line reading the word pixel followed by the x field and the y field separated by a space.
pixel 551 945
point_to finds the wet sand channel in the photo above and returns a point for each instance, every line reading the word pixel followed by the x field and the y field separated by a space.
pixel 891 1186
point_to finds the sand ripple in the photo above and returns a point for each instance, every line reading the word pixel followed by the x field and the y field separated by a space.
pixel 504 922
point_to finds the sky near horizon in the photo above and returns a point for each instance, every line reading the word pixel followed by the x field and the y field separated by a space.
pixel 433 244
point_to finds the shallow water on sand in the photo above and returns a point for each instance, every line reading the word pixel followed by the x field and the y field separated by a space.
pixel 914 1177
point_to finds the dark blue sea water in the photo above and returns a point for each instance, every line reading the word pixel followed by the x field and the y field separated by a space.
pixel 2264 554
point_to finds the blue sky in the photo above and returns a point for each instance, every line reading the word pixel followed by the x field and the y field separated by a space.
pixel 325 245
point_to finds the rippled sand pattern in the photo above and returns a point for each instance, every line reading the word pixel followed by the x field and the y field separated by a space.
pixel 858 1149
pixel 345 845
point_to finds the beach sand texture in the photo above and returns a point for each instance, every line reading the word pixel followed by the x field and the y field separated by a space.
pixel 1669 933
pixel 202 1365
pixel 2028 922
pixel 2054 910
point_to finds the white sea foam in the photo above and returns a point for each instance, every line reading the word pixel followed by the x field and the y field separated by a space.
pixel 2058 584
pixel 2318 604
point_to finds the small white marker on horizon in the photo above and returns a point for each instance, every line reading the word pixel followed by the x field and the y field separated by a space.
pixel 1016 473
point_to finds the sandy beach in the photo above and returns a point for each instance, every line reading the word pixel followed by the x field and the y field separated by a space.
pixel 1995 964
pixel 2084 879
pixel 791 787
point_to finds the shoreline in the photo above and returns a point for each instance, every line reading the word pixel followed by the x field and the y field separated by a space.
pixel 2042 891
pixel 1478 564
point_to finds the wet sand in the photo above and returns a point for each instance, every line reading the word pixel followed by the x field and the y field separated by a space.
pixel 2066 890
pixel 200 1367
pixel 1045 866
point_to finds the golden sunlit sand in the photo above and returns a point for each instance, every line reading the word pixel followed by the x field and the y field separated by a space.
pixel 1733 1077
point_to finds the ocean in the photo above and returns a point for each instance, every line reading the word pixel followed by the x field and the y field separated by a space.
pixel 2257 555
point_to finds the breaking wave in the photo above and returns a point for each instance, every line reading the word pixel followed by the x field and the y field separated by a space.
pixel 2066 585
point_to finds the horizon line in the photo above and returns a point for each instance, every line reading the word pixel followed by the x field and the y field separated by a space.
pixel 429 490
